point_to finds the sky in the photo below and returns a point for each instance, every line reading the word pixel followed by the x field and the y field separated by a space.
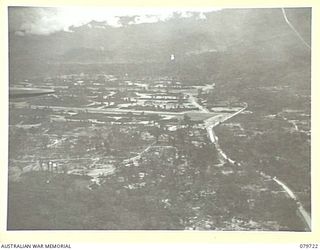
pixel 46 20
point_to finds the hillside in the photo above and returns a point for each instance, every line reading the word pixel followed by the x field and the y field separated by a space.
pixel 245 40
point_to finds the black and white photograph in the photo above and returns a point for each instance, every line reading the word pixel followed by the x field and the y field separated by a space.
pixel 159 118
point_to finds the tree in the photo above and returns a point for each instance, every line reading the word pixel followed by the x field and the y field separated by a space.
pixel 187 120
pixel 156 132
